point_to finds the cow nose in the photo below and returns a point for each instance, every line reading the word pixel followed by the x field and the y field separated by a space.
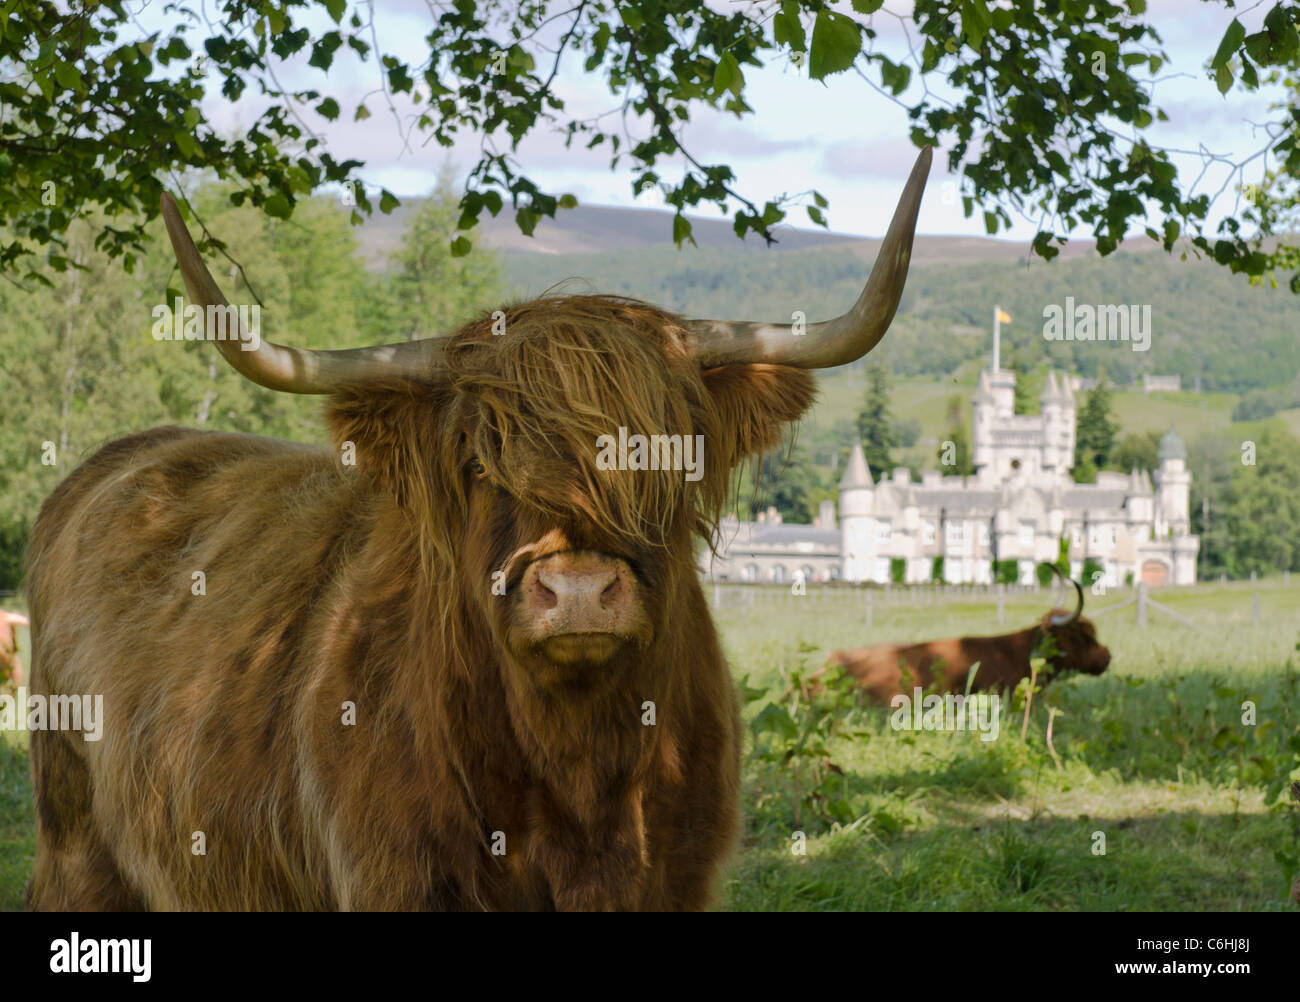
pixel 577 593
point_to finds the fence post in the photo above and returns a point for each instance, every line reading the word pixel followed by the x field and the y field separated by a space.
pixel 1142 604
pixel 1002 595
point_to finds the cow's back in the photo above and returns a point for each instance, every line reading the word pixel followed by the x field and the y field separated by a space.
pixel 886 670
pixel 204 552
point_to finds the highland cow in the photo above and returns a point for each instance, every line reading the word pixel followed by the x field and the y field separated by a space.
pixel 11 668
pixel 473 670
pixel 887 670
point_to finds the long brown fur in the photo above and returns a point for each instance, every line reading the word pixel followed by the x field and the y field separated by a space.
pixel 371 584
pixel 887 670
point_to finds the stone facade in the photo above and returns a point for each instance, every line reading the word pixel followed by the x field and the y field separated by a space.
pixel 1018 505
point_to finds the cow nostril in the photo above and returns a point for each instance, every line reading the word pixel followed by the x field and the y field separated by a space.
pixel 543 597
pixel 613 592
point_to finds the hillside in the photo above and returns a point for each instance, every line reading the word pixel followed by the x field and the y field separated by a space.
pixel 1205 321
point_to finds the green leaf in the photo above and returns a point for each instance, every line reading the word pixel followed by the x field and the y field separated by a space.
pixel 681 230
pixel 775 718
pixel 1232 39
pixel 526 220
pixel 568 201
pixel 329 108
pixel 747 693
pixel 836 42
pixel 727 75
pixel 867 6
pixel 460 247
pixel 787 29
pixel 362 113
pixel 387 201
pixel 68 76
pixel 185 143
pixel 336 9
pixel 277 206
pixel 1223 79
pixel 975 22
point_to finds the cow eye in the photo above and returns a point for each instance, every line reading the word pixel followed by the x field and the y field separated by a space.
pixel 477 468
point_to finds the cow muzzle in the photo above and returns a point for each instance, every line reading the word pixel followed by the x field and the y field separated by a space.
pixel 579 607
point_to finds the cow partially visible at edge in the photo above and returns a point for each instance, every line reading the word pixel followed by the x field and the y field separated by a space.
pixel 11 669
pixel 476 670
pixel 886 670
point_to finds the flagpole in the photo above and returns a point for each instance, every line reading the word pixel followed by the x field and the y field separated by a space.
pixel 997 337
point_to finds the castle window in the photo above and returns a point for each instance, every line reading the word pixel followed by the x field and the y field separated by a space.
pixel 1026 533
pixel 927 533
pixel 984 534
pixel 956 532
pixel 882 532
pixel 778 573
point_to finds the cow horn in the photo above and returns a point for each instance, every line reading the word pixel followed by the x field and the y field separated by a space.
pixel 1066 618
pixel 293 370
pixel 830 342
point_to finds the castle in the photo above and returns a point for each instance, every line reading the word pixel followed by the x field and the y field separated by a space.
pixel 1017 507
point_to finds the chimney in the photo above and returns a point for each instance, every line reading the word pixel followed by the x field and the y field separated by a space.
pixel 826 514
pixel 773 516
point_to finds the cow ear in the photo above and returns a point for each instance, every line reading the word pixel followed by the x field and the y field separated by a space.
pixel 755 402
pixel 378 429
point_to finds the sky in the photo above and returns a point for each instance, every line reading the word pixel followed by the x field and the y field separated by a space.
pixel 838 136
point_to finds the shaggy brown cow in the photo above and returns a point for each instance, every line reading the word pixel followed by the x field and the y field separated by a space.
pixel 1003 660
pixel 11 669
pixel 475 671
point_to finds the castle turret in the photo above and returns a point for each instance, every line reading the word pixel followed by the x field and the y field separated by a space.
pixel 1173 487
pixel 1055 457
pixel 984 418
pixel 857 540
pixel 1139 503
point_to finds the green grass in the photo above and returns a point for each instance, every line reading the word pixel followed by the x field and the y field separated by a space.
pixel 1153 755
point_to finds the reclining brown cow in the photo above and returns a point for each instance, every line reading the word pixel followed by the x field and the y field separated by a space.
pixel 11 669
pixel 1003 660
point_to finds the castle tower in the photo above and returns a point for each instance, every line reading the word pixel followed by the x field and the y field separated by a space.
pixel 857 540
pixel 983 420
pixel 1139 504
pixel 1173 486
pixel 1069 421
pixel 1051 403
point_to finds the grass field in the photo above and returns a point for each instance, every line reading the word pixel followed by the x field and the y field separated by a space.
pixel 1152 755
